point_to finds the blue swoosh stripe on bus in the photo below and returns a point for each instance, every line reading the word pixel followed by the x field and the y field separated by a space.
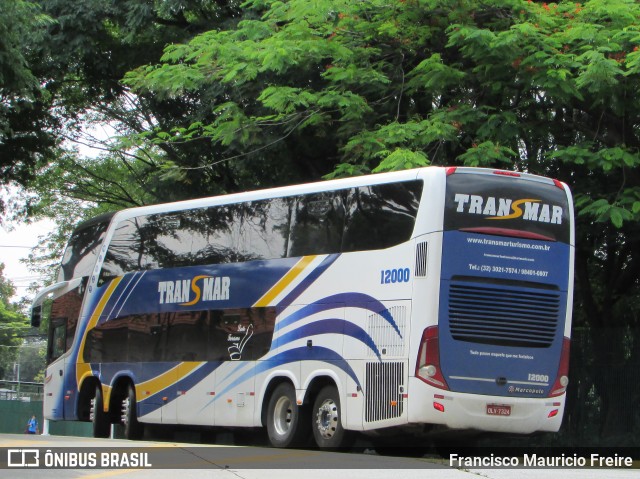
pixel 242 365
pixel 329 326
pixel 355 300
pixel 308 281
pixel 122 289
pixel 131 290
pixel 316 353
pixel 186 383
pixel 197 375
pixel 151 370
pixel 325 326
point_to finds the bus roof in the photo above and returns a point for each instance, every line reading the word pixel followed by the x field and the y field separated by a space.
pixel 103 218
pixel 278 192
pixel 304 188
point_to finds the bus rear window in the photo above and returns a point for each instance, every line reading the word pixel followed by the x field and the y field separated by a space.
pixel 507 206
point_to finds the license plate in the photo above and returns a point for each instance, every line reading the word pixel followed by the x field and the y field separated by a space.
pixel 498 410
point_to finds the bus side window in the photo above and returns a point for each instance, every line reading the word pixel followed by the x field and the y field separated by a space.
pixel 266 228
pixel 381 216
pixel 317 225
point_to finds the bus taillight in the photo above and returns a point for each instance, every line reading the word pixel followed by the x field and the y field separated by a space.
pixel 428 365
pixel 562 378
pixel 507 173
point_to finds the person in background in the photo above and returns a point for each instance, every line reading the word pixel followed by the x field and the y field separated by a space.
pixel 32 425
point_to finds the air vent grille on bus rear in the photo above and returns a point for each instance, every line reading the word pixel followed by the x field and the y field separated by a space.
pixel 421 259
pixel 383 385
pixel 388 337
pixel 493 314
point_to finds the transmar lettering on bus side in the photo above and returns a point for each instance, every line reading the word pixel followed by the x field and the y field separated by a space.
pixel 211 288
pixel 506 208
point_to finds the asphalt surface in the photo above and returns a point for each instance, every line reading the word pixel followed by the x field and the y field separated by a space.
pixel 59 456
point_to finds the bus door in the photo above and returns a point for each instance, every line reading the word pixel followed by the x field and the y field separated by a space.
pixel 65 307
pixel 54 378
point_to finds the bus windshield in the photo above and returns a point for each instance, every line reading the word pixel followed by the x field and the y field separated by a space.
pixel 83 249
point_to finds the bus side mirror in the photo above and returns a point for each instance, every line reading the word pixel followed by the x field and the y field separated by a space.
pixel 36 315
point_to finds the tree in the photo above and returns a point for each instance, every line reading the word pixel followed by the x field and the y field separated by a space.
pixel 32 361
pixel 229 97
pixel 74 54
pixel 25 120
pixel 378 86
pixel 12 326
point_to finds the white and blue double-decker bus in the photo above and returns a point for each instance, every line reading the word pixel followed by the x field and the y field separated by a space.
pixel 401 301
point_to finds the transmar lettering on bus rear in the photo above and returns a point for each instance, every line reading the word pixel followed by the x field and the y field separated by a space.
pixel 204 288
pixel 506 208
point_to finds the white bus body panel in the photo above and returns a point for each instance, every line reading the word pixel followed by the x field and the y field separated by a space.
pixel 469 411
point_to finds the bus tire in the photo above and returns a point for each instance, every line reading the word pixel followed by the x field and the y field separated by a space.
pixel 99 419
pixel 132 428
pixel 327 422
pixel 287 423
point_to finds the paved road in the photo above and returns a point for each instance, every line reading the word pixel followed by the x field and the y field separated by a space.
pixel 187 461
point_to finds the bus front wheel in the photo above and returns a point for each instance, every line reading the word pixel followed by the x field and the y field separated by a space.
pixel 327 423
pixel 99 418
pixel 287 423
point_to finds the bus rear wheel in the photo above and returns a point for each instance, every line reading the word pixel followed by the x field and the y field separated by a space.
pixel 99 418
pixel 287 423
pixel 132 428
pixel 326 421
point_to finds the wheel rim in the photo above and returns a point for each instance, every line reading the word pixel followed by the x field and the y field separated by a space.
pixel 92 410
pixel 327 418
pixel 282 416
pixel 126 404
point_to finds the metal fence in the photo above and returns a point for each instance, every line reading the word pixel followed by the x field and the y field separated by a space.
pixel 22 371
pixel 25 391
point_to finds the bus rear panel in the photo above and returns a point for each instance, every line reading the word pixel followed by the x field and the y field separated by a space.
pixel 503 328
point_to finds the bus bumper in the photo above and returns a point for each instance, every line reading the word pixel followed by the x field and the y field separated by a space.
pixel 429 405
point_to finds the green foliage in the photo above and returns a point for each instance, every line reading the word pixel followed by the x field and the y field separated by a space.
pixel 547 88
pixel 434 76
pixel 13 324
pixel 72 56
pixel 209 98
pixel 21 20
pixel 415 83
pixel 12 321
pixel 401 159
pixel 487 154
pixel 25 123
pixel 32 361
